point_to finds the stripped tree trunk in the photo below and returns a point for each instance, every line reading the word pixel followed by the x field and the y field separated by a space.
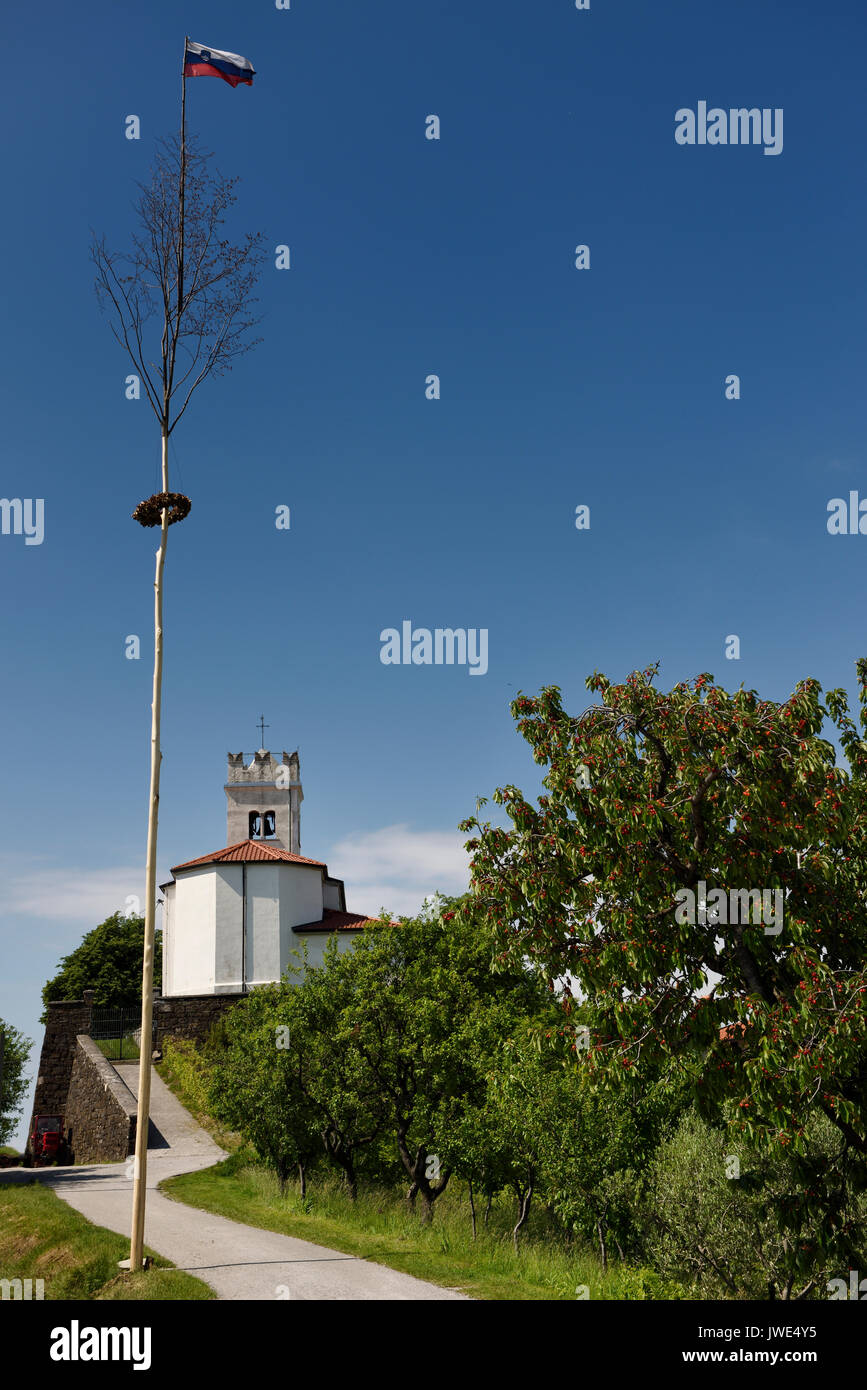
pixel 147 981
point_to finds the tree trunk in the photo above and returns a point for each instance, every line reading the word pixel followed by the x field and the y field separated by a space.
pixel 302 1179
pixel 473 1211
pixel 414 1167
pixel 350 1181
pixel 147 987
pixel 525 1197
pixel 416 1170
pixel 488 1208
pixel 600 1231
pixel 342 1155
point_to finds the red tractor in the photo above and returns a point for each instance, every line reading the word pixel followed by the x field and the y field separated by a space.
pixel 46 1139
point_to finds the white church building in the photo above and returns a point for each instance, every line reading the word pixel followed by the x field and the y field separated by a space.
pixel 232 919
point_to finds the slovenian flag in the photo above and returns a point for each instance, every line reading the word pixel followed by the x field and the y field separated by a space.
pixel 200 61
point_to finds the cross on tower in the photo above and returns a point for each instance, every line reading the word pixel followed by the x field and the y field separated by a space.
pixel 262 727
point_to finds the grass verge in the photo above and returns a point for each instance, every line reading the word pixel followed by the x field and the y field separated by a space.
pixel 186 1074
pixel 118 1049
pixel 42 1237
pixel 379 1227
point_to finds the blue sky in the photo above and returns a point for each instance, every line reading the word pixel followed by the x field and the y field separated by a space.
pixel 558 387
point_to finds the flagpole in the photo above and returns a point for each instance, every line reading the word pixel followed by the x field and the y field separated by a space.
pixel 146 1040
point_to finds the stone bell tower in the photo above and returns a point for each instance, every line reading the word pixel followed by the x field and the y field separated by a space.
pixel 264 800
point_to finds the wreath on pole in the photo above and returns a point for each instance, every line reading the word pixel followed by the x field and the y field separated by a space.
pixel 150 511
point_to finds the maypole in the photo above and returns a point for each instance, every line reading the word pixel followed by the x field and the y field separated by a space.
pixel 225 279
pixel 147 982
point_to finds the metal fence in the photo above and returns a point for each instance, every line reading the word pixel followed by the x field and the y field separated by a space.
pixel 117 1032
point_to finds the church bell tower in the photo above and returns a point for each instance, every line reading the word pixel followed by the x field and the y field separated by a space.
pixel 264 800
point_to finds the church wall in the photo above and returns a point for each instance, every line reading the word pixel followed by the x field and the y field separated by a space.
pixel 333 895
pixel 317 941
pixel 192 949
pixel 228 881
pixel 168 929
pixel 300 901
pixel 264 899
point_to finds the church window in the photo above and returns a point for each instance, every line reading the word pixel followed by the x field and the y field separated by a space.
pixel 270 823
pixel 255 826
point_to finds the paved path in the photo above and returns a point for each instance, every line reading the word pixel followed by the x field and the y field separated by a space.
pixel 238 1261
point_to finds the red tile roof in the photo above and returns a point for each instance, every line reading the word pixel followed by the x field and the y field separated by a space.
pixel 338 921
pixel 248 852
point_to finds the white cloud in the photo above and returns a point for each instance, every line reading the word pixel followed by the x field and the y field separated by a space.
pixel 72 895
pixel 397 867
pixel 394 867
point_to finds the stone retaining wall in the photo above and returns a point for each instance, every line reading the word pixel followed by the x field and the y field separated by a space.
pixel 66 1084
pixel 64 1023
pixel 189 1016
pixel 100 1115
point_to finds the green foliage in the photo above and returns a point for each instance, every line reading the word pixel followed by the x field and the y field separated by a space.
pixel 371 1060
pixel 13 1082
pixel 682 787
pixel 781 1229
pixel 423 1011
pixel 188 1069
pixel 108 961
pixel 541 1129
pixel 257 1083
pixel 595 1150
